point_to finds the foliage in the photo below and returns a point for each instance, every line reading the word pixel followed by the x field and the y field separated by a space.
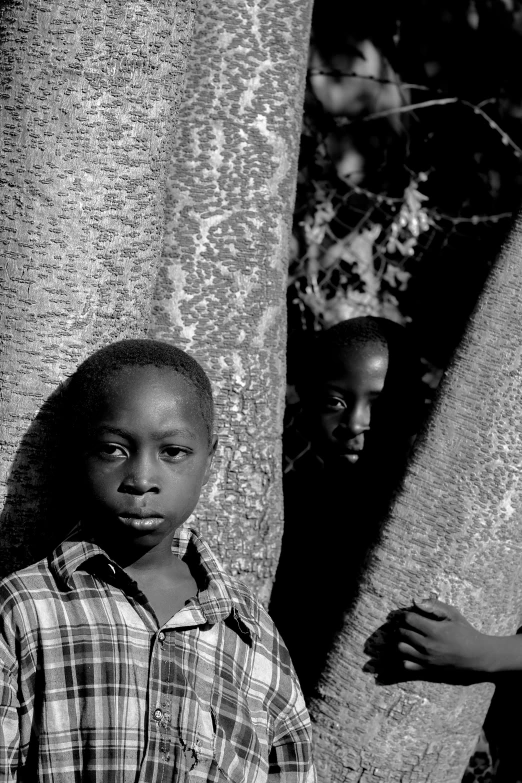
pixel 409 168
pixel 343 274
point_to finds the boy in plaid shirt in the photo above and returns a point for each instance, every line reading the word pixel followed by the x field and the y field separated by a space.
pixel 129 654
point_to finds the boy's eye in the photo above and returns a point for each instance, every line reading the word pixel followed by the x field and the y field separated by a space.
pixel 111 451
pixel 334 403
pixel 174 453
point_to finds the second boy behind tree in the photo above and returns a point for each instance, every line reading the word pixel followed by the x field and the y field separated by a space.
pixel 359 385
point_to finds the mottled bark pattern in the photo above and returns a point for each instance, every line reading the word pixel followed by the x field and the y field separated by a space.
pixel 221 292
pixel 456 529
pixel 88 92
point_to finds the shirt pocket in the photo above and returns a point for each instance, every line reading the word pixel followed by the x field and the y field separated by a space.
pixel 241 736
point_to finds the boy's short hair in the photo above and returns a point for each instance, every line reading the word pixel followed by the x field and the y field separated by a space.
pixel 82 390
pixel 357 332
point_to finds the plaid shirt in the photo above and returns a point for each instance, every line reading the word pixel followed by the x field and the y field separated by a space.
pixel 91 689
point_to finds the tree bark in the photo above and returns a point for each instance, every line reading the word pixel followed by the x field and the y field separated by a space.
pixel 456 530
pixel 221 290
pixel 89 92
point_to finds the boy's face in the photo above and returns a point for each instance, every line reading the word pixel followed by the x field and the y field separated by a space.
pixel 146 456
pixel 352 380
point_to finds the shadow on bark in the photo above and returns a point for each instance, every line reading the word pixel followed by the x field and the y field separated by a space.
pixel 332 524
pixel 40 504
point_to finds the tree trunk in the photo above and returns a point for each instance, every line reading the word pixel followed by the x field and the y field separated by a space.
pixel 456 530
pixel 89 91
pixel 221 290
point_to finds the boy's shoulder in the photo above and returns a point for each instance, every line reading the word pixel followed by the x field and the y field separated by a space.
pixel 29 586
pixel 227 594
pixel 20 594
pixel 248 634
pixel 34 576
pixel 48 577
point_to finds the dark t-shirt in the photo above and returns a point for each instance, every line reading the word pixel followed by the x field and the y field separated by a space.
pixel 330 524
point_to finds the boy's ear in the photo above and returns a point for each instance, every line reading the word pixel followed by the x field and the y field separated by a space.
pixel 210 458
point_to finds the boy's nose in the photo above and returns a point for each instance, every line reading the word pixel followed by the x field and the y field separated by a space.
pixel 140 478
pixel 138 487
pixel 357 419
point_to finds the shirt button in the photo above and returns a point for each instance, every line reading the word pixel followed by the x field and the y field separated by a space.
pixel 161 636
pixel 158 714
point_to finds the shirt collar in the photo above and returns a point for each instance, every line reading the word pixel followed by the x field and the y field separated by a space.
pixel 71 554
pixel 221 598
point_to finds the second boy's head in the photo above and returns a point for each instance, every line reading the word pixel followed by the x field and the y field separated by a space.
pixel 141 416
pixel 357 389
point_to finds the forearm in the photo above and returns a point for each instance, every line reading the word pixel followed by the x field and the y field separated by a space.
pixel 499 655
pixel 437 639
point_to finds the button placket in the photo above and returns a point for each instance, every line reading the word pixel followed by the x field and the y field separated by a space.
pixel 162 713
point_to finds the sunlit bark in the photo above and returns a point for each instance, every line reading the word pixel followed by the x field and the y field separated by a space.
pixel 221 292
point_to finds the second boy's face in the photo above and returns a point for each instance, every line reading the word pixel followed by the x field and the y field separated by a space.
pixel 352 382
pixel 147 456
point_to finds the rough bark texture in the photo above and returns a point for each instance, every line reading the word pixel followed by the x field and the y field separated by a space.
pixel 221 289
pixel 89 90
pixel 456 529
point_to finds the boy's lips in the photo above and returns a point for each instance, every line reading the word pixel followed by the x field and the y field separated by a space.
pixel 351 450
pixel 351 456
pixel 145 513
pixel 141 520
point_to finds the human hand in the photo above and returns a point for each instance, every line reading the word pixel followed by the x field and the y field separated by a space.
pixel 436 639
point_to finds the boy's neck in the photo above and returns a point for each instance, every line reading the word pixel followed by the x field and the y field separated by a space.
pixel 156 559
